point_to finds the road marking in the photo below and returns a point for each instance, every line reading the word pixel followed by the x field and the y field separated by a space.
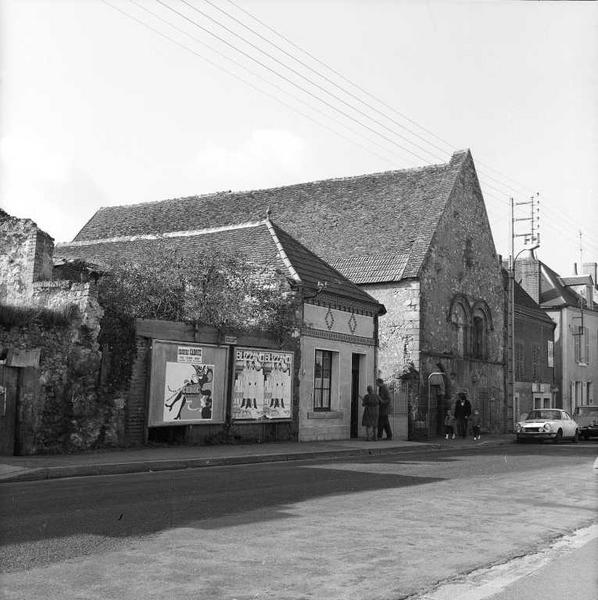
pixel 488 581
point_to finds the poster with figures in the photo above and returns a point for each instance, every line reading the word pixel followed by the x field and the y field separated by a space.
pixel 262 384
pixel 188 391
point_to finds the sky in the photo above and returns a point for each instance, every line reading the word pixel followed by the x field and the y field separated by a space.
pixel 112 102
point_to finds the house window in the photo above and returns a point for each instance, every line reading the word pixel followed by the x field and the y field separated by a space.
pixel 542 402
pixel 582 345
pixel 479 337
pixel 459 319
pixel 550 352
pixel 519 361
pixel 322 379
pixel 535 362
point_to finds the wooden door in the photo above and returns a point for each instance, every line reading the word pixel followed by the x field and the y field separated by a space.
pixel 9 378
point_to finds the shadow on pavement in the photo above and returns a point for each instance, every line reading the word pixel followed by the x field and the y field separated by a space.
pixel 145 504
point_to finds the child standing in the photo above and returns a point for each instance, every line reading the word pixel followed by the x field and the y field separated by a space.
pixel 476 422
pixel 449 425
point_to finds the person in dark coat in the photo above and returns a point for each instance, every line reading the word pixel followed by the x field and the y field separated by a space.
pixel 383 422
pixel 371 403
pixel 462 412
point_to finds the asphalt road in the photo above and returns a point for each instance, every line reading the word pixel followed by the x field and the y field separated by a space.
pixel 383 511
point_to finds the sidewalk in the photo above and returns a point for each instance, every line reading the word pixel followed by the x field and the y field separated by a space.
pixel 147 459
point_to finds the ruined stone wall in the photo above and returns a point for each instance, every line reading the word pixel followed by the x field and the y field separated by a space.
pixel 25 257
pixel 67 411
pixel 62 407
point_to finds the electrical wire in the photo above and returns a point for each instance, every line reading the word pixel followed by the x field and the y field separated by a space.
pixel 387 158
pixel 484 176
pixel 285 78
pixel 520 186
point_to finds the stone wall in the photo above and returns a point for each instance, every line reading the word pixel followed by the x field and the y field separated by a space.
pixel 399 328
pixel 25 257
pixel 62 407
pixel 67 411
pixel 462 262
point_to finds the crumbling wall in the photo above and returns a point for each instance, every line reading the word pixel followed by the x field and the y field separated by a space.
pixel 62 408
pixel 25 257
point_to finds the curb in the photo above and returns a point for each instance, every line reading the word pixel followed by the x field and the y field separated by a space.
pixel 149 466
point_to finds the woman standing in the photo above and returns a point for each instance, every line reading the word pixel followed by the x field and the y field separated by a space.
pixel 371 404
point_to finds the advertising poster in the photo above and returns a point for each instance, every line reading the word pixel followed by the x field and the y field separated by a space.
pixel 188 392
pixel 188 384
pixel 262 384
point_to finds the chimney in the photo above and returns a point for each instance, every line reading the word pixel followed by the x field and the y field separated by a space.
pixel 590 269
pixel 527 273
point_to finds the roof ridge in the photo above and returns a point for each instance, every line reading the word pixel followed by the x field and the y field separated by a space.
pixel 290 185
pixel 283 255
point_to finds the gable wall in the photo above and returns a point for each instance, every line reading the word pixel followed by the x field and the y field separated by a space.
pixel 463 260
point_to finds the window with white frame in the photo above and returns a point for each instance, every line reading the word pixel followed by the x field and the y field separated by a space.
pixel 582 345
pixel 322 379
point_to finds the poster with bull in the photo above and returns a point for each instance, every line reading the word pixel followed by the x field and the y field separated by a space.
pixel 262 384
pixel 188 387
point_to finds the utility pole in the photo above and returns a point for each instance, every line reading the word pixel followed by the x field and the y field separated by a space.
pixel 579 331
pixel 531 237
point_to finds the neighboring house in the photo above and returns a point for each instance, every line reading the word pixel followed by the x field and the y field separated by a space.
pixel 336 330
pixel 417 240
pixel 571 303
pixel 534 356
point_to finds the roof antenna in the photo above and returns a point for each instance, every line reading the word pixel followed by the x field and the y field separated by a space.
pixel 268 211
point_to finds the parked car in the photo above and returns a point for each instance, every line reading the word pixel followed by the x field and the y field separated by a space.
pixel 547 424
pixel 587 419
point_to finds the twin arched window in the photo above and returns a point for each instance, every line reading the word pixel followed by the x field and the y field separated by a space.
pixel 471 324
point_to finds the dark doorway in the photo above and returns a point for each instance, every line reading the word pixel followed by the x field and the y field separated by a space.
pixel 9 379
pixel 355 365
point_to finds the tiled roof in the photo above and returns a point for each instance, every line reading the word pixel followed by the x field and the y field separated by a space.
pixel 376 267
pixel 524 301
pixel 372 227
pixel 552 291
pixel 262 242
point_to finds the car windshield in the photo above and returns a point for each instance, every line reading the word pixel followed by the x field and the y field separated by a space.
pixel 544 414
pixel 586 410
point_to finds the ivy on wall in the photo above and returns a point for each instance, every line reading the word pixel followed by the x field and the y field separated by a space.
pixel 224 291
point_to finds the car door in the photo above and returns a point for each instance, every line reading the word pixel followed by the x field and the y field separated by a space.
pixel 568 425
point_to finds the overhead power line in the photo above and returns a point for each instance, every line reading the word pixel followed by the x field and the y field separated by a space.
pixel 386 158
pixel 285 78
pixel 510 181
pixel 389 158
pixel 384 134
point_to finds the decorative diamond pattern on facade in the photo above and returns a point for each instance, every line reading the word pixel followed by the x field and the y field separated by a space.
pixel 329 318
pixel 352 323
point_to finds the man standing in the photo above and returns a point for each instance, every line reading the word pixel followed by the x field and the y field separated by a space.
pixel 383 422
pixel 462 412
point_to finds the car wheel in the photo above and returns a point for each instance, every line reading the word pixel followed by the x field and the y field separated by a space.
pixel 575 437
pixel 558 437
pixel 586 436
